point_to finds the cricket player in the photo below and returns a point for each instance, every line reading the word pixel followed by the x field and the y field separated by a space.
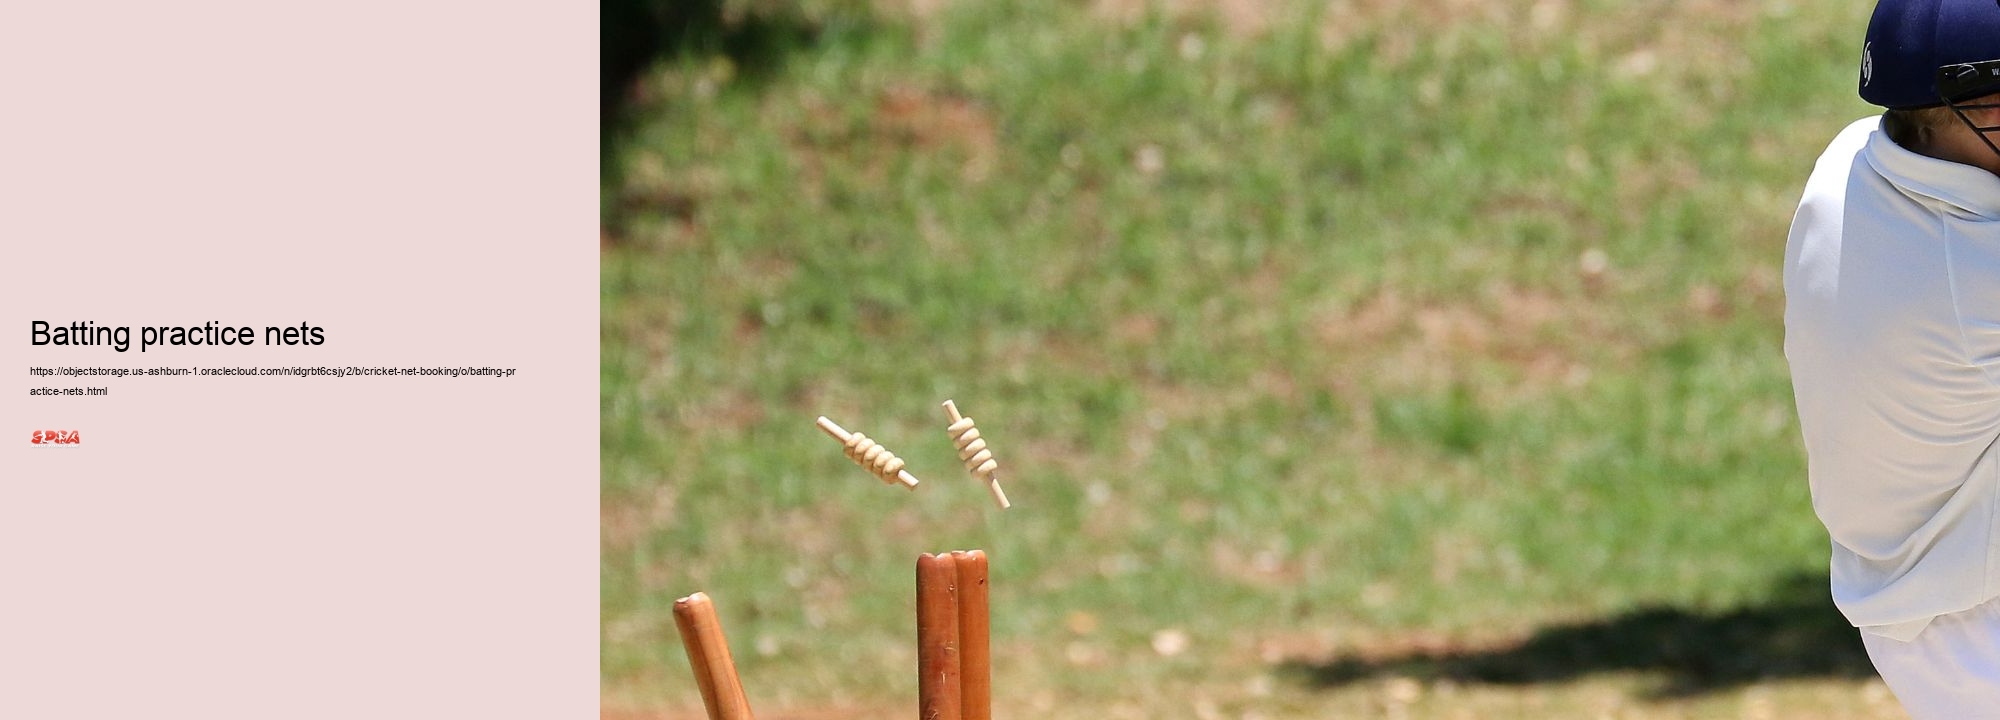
pixel 1892 329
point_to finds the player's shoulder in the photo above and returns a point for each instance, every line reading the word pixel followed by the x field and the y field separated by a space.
pixel 1830 172
pixel 1852 139
pixel 1859 130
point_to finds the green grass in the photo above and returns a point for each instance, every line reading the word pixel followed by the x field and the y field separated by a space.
pixel 1288 334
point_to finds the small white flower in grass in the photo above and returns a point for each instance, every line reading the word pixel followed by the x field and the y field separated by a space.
pixel 1638 64
pixel 1593 263
pixel 1192 47
pixel 1150 160
pixel 1170 642
pixel 1404 691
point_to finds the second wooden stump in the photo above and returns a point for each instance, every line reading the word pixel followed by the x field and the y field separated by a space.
pixel 954 662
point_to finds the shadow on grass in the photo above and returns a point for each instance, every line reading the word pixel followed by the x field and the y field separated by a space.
pixel 1796 635
pixel 634 35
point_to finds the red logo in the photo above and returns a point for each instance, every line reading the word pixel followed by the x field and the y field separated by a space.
pixel 56 437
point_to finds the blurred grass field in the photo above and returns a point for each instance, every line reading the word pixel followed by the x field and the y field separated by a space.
pixel 1352 359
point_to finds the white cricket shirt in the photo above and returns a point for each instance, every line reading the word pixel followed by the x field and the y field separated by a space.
pixel 1892 329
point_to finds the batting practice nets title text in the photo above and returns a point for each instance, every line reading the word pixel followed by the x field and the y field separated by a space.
pixel 209 333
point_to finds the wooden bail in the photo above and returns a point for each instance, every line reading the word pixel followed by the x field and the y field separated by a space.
pixel 938 657
pixel 870 455
pixel 974 637
pixel 708 651
pixel 973 452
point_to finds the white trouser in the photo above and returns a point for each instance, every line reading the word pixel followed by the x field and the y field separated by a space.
pixel 1950 671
